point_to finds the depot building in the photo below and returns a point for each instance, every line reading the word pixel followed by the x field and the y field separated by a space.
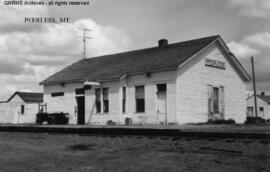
pixel 187 82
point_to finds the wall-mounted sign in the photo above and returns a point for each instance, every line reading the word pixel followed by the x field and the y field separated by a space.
pixel 214 63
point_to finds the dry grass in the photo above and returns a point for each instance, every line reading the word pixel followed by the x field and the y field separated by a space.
pixel 52 152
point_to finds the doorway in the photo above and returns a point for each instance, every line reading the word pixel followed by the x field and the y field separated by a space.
pixel 80 109
pixel 162 103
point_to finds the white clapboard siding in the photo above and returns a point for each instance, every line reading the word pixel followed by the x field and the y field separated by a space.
pixel 192 85
pixel 101 118
pixel 115 100
pixel 64 103
pixel 10 112
pixel 260 103
pixel 150 115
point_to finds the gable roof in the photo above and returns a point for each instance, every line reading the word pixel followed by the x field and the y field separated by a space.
pixel 111 67
pixel 264 98
pixel 28 97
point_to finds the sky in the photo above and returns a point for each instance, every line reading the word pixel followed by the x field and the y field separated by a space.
pixel 31 52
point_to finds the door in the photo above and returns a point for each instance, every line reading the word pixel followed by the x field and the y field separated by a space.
pixel 161 107
pixel 250 111
pixel 161 103
pixel 81 109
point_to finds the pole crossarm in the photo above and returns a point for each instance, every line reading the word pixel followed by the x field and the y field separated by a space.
pixel 84 40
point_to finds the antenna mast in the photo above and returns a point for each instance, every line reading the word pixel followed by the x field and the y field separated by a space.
pixel 84 40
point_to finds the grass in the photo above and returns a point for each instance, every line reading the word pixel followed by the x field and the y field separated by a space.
pixel 63 153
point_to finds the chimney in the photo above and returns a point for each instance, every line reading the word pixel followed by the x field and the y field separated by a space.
pixel 262 93
pixel 162 43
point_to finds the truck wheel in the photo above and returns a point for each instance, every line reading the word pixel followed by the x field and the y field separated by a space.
pixel 49 121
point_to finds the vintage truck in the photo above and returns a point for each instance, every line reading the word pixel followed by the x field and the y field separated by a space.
pixel 50 118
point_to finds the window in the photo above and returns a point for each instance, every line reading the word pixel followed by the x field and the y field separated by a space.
pixel 261 111
pixel 139 96
pixel 79 91
pixel 57 94
pixel 216 100
pixel 161 87
pixel 105 93
pixel 124 100
pixel 104 99
pixel 22 109
pixel 98 101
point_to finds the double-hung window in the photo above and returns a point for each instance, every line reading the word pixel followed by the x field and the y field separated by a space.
pixel 216 99
pixel 124 100
pixel 140 99
pixel 98 101
pixel 105 92
pixel 22 109
pixel 102 103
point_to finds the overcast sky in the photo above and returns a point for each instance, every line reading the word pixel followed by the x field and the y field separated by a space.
pixel 31 52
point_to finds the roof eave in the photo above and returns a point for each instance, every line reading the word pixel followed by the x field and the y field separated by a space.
pixel 107 80
pixel 245 76
pixel 47 83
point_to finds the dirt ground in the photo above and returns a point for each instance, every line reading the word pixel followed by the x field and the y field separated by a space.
pixel 62 153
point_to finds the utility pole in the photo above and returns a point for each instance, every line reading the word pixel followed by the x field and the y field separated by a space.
pixel 254 87
pixel 84 40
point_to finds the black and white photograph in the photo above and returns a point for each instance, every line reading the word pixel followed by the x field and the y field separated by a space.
pixel 135 85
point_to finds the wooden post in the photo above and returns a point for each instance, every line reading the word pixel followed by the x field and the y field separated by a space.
pixel 254 87
pixel 166 114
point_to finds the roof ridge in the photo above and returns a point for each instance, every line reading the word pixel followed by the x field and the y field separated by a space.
pixel 29 92
pixel 24 95
pixel 149 48
pixel 264 98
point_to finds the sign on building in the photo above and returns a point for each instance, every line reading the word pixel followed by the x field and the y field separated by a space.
pixel 214 63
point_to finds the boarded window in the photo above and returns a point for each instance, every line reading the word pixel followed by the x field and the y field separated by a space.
pixel 139 96
pixel 221 101
pixel 105 93
pixel 98 101
pixel 210 101
pixel 216 100
pixel 124 100
pixel 57 94
pixel 22 109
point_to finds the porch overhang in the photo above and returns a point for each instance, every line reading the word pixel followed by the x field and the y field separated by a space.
pixel 91 83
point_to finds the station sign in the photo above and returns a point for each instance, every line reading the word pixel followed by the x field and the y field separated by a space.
pixel 214 63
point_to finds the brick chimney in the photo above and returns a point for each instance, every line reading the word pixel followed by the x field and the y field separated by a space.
pixel 162 43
